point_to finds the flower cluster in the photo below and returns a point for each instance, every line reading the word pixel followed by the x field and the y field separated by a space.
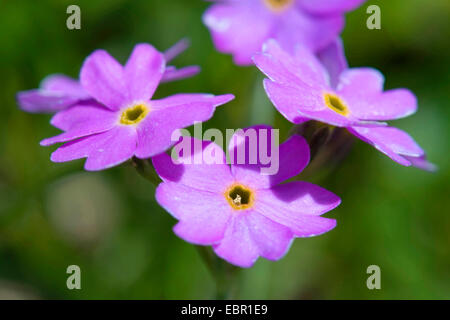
pixel 108 116
pixel 238 211
pixel 299 87
pixel 58 92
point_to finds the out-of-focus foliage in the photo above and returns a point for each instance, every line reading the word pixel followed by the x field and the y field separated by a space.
pixel 55 215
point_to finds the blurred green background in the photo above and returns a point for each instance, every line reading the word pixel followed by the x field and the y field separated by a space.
pixel 56 215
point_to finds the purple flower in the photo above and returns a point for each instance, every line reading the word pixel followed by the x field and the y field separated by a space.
pixel 58 92
pixel 123 122
pixel 241 27
pixel 299 88
pixel 239 212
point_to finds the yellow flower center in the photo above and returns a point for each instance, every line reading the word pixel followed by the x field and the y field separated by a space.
pixel 134 114
pixel 278 5
pixel 239 197
pixel 336 104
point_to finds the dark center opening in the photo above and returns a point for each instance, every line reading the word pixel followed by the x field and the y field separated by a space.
pixel 240 196
pixel 337 104
pixel 134 113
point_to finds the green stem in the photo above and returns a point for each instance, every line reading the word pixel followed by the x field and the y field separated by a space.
pixel 224 274
pixel 145 168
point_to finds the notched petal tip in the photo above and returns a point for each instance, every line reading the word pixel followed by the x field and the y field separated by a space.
pixel 56 157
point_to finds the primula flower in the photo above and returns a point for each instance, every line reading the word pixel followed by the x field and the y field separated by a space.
pixel 240 27
pixel 241 213
pixel 299 87
pixel 123 122
pixel 58 92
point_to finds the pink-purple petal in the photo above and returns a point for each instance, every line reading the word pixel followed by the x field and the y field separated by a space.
pixel 64 84
pixel 329 7
pixel 155 131
pixel 77 132
pixel 100 149
pixel 56 93
pixel 303 102
pixel 239 28
pixel 293 101
pixel 272 239
pixel 314 32
pixel 237 245
pixel 189 98
pixel 278 70
pixel 176 49
pixel 293 157
pixel 297 205
pixel 196 169
pixel 174 74
pixel 362 89
pixel 422 163
pixel 81 120
pixel 103 78
pixel 44 101
pixel 282 67
pixel 393 142
pixel 334 60
pixel 143 72
pixel 203 215
pixel 310 69
pixel 299 198
pixel 392 104
pixel 360 82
